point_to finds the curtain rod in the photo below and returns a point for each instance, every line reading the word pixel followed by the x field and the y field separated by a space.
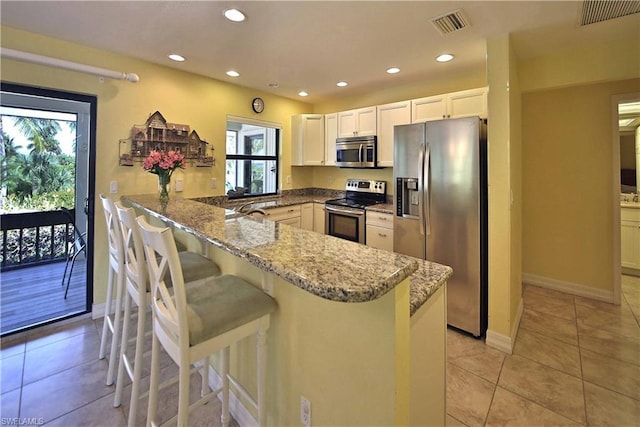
pixel 67 65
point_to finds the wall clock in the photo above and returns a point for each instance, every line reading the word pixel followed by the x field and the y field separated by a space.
pixel 258 105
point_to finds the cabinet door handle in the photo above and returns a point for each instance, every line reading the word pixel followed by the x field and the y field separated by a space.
pixel 382 218
pixel 382 235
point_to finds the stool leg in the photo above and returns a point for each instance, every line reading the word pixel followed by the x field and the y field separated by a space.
pixel 224 368
pixel 107 313
pixel 124 345
pixel 205 377
pixel 116 328
pixel 183 393
pixel 137 367
pixel 262 375
pixel 154 383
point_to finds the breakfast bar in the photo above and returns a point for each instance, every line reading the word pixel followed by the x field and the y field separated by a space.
pixel 359 332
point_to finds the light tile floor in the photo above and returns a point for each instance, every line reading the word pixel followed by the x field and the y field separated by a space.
pixel 53 376
pixel 576 361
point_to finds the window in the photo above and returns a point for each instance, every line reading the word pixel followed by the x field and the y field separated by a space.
pixel 252 159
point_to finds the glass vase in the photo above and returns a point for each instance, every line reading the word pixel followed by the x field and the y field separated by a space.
pixel 163 182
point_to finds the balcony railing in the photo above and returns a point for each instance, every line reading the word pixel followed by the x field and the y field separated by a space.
pixel 34 238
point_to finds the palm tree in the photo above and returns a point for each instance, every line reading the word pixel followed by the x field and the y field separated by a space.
pixel 41 132
pixel 14 180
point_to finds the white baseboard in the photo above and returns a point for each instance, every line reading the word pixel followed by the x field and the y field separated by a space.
pixel 237 410
pixel 502 342
pixel 97 310
pixel 568 287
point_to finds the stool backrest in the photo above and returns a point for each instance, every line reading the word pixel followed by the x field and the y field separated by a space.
pixel 162 255
pixel 134 258
pixel 114 234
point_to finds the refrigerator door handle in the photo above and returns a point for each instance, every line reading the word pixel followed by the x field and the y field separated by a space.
pixel 421 156
pixel 427 191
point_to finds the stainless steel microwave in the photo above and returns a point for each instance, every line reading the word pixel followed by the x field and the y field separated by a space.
pixel 357 152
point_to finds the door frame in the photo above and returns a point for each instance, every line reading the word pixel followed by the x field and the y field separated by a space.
pixel 92 101
pixel 615 142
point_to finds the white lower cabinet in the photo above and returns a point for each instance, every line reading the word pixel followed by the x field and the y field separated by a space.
pixel 318 218
pixel 379 231
pixel 290 215
pixel 306 217
pixel 630 238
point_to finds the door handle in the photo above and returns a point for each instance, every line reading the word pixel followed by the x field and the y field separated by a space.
pixel 427 197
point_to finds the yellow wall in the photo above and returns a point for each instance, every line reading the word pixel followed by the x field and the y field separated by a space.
pixel 181 97
pixel 352 375
pixel 504 187
pixel 567 172
pixel 596 62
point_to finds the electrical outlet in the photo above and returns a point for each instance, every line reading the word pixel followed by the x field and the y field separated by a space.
pixel 113 187
pixel 288 179
pixel 179 185
pixel 305 411
pixel 214 183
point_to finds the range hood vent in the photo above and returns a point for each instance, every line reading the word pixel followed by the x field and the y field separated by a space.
pixel 450 22
pixel 599 10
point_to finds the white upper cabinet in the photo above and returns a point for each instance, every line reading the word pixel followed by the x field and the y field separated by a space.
pixel 465 103
pixel 359 122
pixel 307 140
pixel 330 135
pixel 390 115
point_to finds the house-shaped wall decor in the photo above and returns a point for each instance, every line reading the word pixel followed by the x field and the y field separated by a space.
pixel 158 134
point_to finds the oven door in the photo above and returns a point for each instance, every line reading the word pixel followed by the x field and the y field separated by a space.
pixel 345 223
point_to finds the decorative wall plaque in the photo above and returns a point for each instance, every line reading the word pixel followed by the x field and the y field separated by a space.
pixel 158 134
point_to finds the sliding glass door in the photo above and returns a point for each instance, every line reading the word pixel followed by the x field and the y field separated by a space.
pixel 46 215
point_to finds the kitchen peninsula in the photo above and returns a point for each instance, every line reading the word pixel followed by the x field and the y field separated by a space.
pixel 343 335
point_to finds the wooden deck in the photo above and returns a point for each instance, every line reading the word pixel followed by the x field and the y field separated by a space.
pixel 35 295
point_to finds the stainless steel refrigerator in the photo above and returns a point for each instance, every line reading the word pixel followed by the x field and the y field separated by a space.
pixel 440 176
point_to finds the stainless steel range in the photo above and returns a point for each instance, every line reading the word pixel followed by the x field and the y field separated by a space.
pixel 345 217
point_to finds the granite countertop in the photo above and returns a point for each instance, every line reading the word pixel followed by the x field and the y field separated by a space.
pixel 632 205
pixel 429 277
pixel 331 268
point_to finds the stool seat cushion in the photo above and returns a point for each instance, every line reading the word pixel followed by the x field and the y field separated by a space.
pixel 223 303
pixel 196 266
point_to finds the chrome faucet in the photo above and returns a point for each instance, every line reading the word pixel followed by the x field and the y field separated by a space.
pixel 243 206
pixel 256 210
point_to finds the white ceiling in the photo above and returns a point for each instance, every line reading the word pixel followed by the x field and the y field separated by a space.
pixel 311 45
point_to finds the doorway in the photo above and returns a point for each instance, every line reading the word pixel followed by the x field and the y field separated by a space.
pixel 46 206
pixel 626 187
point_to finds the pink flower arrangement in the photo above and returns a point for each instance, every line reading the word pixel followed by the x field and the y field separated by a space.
pixel 161 163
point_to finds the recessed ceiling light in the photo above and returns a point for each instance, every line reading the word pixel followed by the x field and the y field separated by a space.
pixel 341 84
pixel 232 73
pixel 303 93
pixel 445 57
pixel 234 15
pixel 393 70
pixel 176 57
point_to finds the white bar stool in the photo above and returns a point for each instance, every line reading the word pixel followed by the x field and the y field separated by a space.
pixel 115 285
pixel 194 267
pixel 199 320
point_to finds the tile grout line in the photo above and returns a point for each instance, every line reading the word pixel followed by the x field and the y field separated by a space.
pixel 495 387
pixel 584 395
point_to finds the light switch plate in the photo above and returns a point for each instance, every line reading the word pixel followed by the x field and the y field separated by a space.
pixel 113 187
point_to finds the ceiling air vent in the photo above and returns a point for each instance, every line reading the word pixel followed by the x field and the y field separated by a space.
pixel 450 22
pixel 599 10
